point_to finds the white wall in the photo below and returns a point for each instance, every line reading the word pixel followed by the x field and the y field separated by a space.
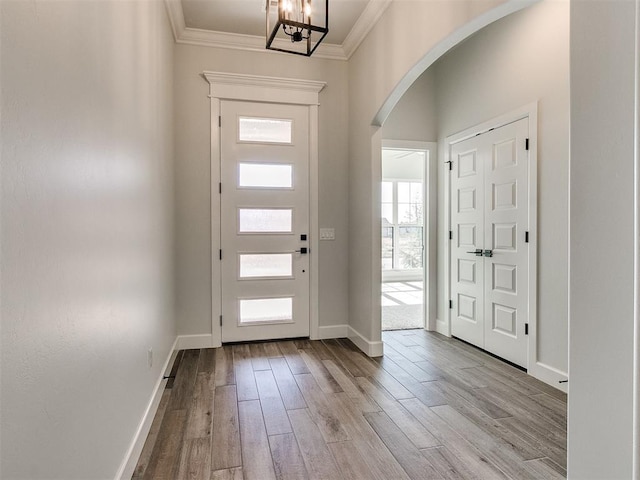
pixel 87 230
pixel 409 36
pixel 507 65
pixel 603 47
pixel 193 212
pixel 414 116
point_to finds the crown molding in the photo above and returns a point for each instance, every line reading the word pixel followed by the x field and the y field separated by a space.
pixel 235 79
pixel 208 38
pixel 366 21
pixel 253 43
pixel 257 88
pixel 176 17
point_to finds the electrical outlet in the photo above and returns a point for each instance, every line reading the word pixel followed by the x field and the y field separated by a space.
pixel 150 357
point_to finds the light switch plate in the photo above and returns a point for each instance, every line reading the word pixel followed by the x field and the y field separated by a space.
pixel 327 234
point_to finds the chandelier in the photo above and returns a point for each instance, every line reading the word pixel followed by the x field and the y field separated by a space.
pixel 293 29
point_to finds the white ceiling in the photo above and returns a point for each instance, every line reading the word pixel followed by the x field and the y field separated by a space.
pixel 247 17
pixel 240 24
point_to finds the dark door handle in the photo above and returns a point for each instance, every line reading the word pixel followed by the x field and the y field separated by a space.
pixel 303 250
pixel 477 252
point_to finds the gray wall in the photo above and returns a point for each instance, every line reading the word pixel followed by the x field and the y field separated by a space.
pixel 377 71
pixel 603 48
pixel 193 140
pixel 414 117
pixel 87 230
pixel 507 65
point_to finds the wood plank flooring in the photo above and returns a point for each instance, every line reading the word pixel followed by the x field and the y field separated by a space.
pixel 431 408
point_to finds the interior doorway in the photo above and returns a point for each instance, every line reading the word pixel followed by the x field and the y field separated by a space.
pixel 403 237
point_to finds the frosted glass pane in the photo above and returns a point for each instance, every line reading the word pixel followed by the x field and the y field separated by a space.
pixel 265 220
pixel 266 265
pixel 266 310
pixel 265 175
pixel 264 130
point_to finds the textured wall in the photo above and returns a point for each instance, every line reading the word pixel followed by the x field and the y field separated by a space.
pixel 422 31
pixel 87 230
pixel 193 167
pixel 602 240
pixel 505 66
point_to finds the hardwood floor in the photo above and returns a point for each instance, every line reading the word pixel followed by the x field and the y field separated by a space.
pixel 431 408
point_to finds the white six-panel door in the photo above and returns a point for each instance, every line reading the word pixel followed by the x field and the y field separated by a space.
pixel 467 223
pixel 264 220
pixel 489 214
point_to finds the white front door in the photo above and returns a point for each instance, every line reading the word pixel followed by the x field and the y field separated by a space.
pixel 489 254
pixel 264 215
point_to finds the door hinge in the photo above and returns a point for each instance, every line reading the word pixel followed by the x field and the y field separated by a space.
pixel 450 234
pixel 220 187
pixel 219 121
pixel 220 254
pixel 526 329
pixel 450 304
pixel 526 144
pixel 526 237
pixel 220 320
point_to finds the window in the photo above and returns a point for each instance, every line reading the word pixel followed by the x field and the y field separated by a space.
pixel 265 175
pixel 402 225
pixel 265 130
pixel 265 220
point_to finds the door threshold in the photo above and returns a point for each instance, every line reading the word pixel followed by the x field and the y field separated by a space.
pixel 492 355
pixel 248 342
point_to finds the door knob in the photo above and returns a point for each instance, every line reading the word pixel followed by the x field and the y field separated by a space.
pixel 303 250
pixel 477 252
pixel 488 253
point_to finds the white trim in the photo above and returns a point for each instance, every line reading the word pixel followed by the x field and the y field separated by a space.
pixel 536 369
pixel 235 41
pixel 333 331
pixel 176 17
pixel 442 327
pixel 367 20
pixel 376 237
pixel 549 375
pixel 314 221
pixel 128 466
pixel 636 256
pixel 216 241
pixel 371 348
pixel 250 43
pixel 438 50
pixel 186 342
pixel 257 88
pixel 217 79
pixel 254 43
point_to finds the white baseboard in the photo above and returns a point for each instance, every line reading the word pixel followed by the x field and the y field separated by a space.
pixel 128 466
pixel 372 349
pixel 549 375
pixel 186 342
pixel 442 328
pixel 333 331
